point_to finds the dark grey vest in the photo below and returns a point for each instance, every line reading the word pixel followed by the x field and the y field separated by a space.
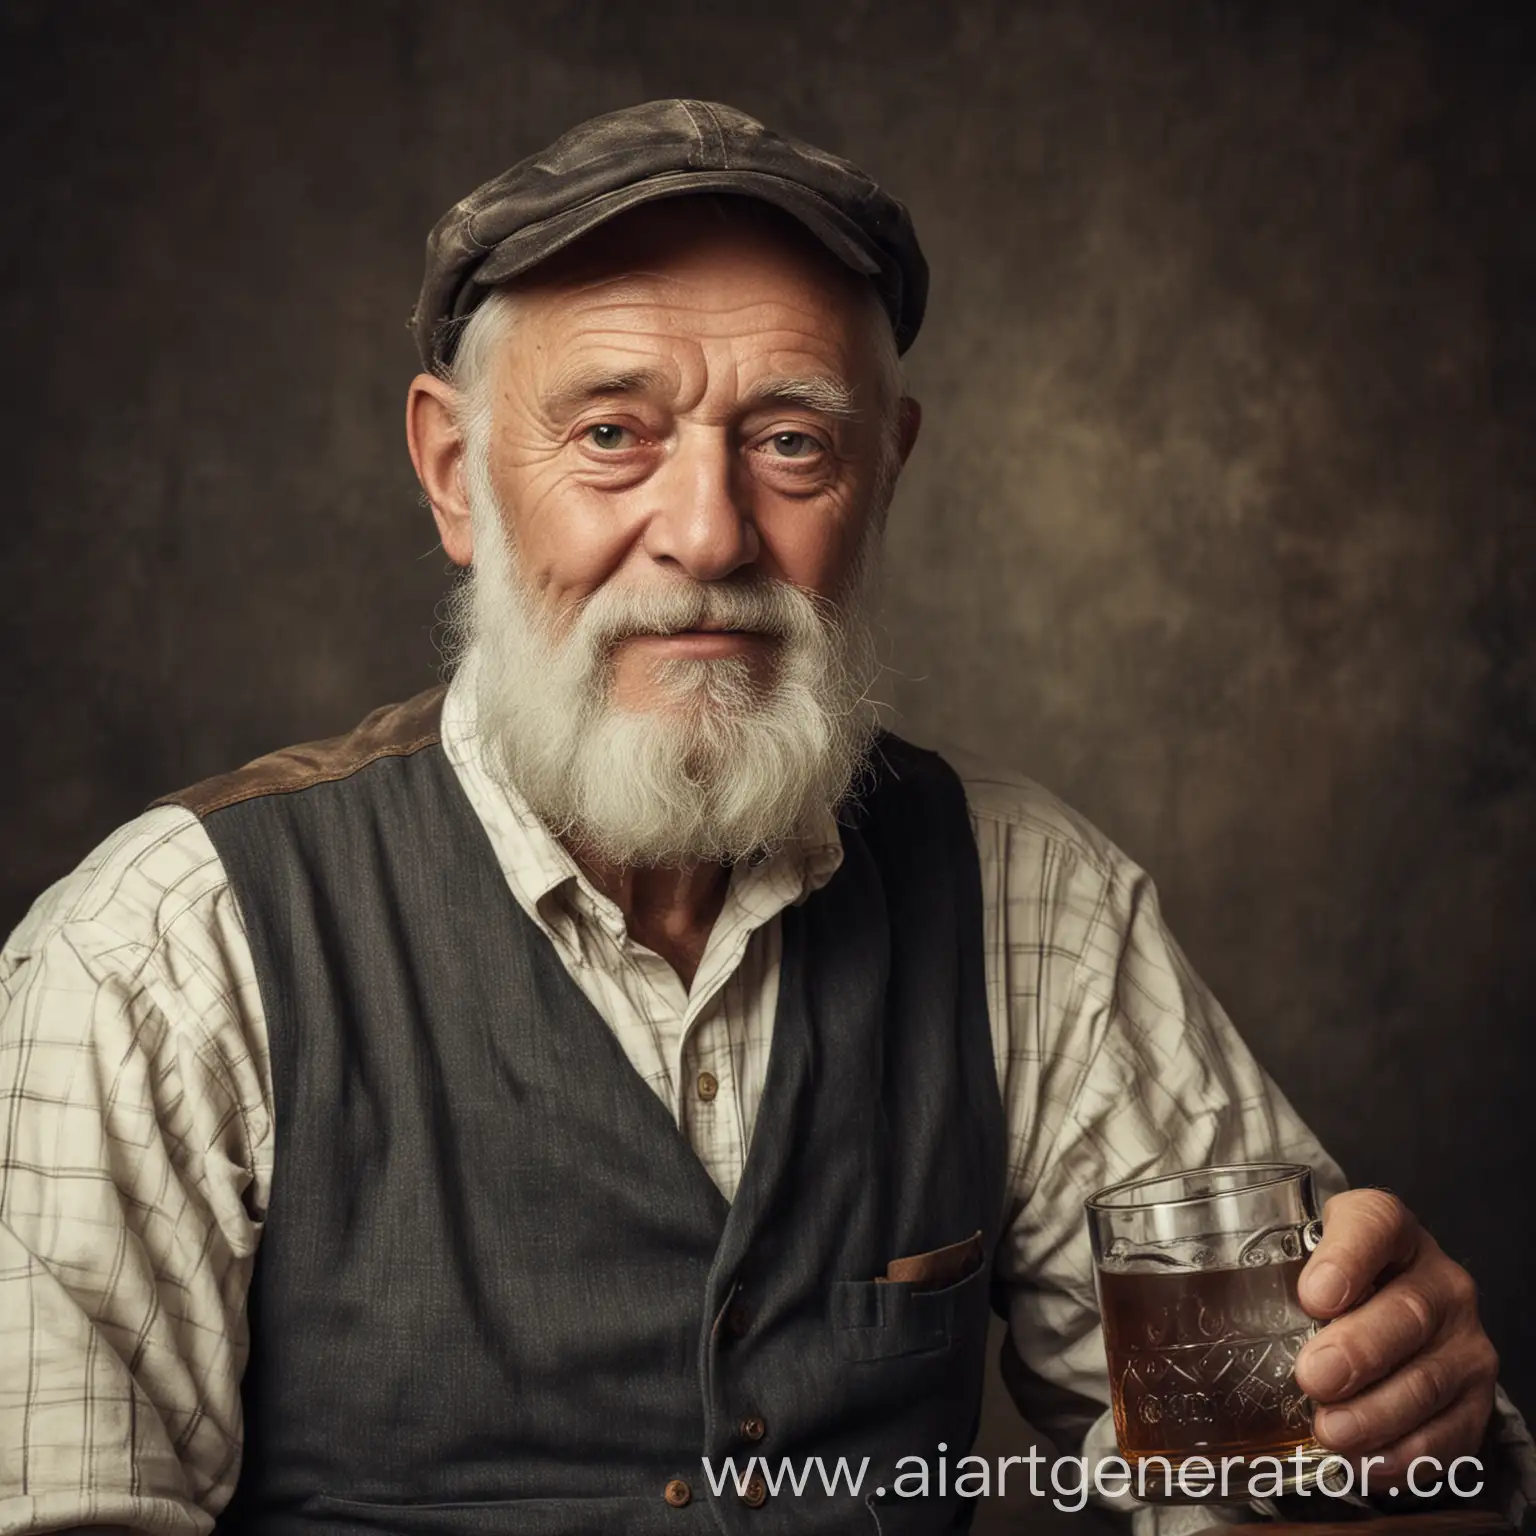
pixel 496 1290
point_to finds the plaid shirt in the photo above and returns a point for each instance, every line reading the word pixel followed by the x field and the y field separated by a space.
pixel 137 1133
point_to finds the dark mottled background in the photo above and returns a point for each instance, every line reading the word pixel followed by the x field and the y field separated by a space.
pixel 1220 524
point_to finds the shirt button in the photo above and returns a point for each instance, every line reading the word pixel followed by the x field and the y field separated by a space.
pixel 755 1495
pixel 677 1493
pixel 753 1427
pixel 708 1085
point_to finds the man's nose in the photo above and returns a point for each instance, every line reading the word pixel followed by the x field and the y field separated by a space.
pixel 703 523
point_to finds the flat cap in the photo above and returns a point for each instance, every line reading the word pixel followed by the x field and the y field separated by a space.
pixel 660 149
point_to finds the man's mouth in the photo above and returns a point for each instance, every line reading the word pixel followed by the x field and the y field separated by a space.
pixel 705 638
pixel 703 627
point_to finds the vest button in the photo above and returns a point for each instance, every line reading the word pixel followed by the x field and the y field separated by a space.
pixel 677 1493
pixel 753 1427
pixel 755 1495
pixel 708 1086
pixel 737 1320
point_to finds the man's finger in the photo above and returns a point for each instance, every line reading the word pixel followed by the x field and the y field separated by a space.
pixel 1457 1431
pixel 1396 1406
pixel 1352 1352
pixel 1365 1231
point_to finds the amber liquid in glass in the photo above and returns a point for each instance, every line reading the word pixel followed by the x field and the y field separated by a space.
pixel 1201 1361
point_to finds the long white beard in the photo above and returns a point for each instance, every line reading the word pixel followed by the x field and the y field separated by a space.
pixel 724 766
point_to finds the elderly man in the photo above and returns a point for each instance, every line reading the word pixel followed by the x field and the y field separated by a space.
pixel 631 1055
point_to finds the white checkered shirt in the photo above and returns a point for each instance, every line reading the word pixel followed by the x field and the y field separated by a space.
pixel 136 1125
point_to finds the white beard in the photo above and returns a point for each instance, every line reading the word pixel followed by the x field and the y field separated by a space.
pixel 724 766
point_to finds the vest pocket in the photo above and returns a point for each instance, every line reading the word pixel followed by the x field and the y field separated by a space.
pixel 885 1319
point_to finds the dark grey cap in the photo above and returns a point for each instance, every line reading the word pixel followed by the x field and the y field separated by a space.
pixel 657 150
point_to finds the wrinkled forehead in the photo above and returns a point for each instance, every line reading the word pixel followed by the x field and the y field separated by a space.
pixel 706 268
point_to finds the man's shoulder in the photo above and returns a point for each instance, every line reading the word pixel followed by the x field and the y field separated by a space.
pixel 395 730
pixel 137 887
pixel 1003 801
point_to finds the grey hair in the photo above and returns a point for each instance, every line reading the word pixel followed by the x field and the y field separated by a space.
pixel 469 372
pixel 490 326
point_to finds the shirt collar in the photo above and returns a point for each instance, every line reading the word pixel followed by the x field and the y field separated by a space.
pixel 545 879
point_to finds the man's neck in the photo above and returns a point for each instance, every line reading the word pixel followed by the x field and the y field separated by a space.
pixel 670 911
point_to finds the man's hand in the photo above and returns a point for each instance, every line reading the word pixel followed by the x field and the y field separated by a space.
pixel 1408 1371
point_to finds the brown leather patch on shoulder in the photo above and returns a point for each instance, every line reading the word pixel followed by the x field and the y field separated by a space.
pixel 396 730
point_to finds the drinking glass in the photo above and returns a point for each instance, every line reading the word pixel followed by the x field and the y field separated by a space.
pixel 1197 1277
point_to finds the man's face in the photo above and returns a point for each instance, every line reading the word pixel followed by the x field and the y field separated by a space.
pixel 665 464
pixel 688 397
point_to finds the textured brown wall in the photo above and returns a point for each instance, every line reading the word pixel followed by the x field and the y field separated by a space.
pixel 1220 524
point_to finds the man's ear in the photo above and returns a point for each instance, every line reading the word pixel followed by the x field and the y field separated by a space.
pixel 437 451
pixel 909 421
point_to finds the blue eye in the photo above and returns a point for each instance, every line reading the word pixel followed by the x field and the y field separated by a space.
pixel 606 435
pixel 794 445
